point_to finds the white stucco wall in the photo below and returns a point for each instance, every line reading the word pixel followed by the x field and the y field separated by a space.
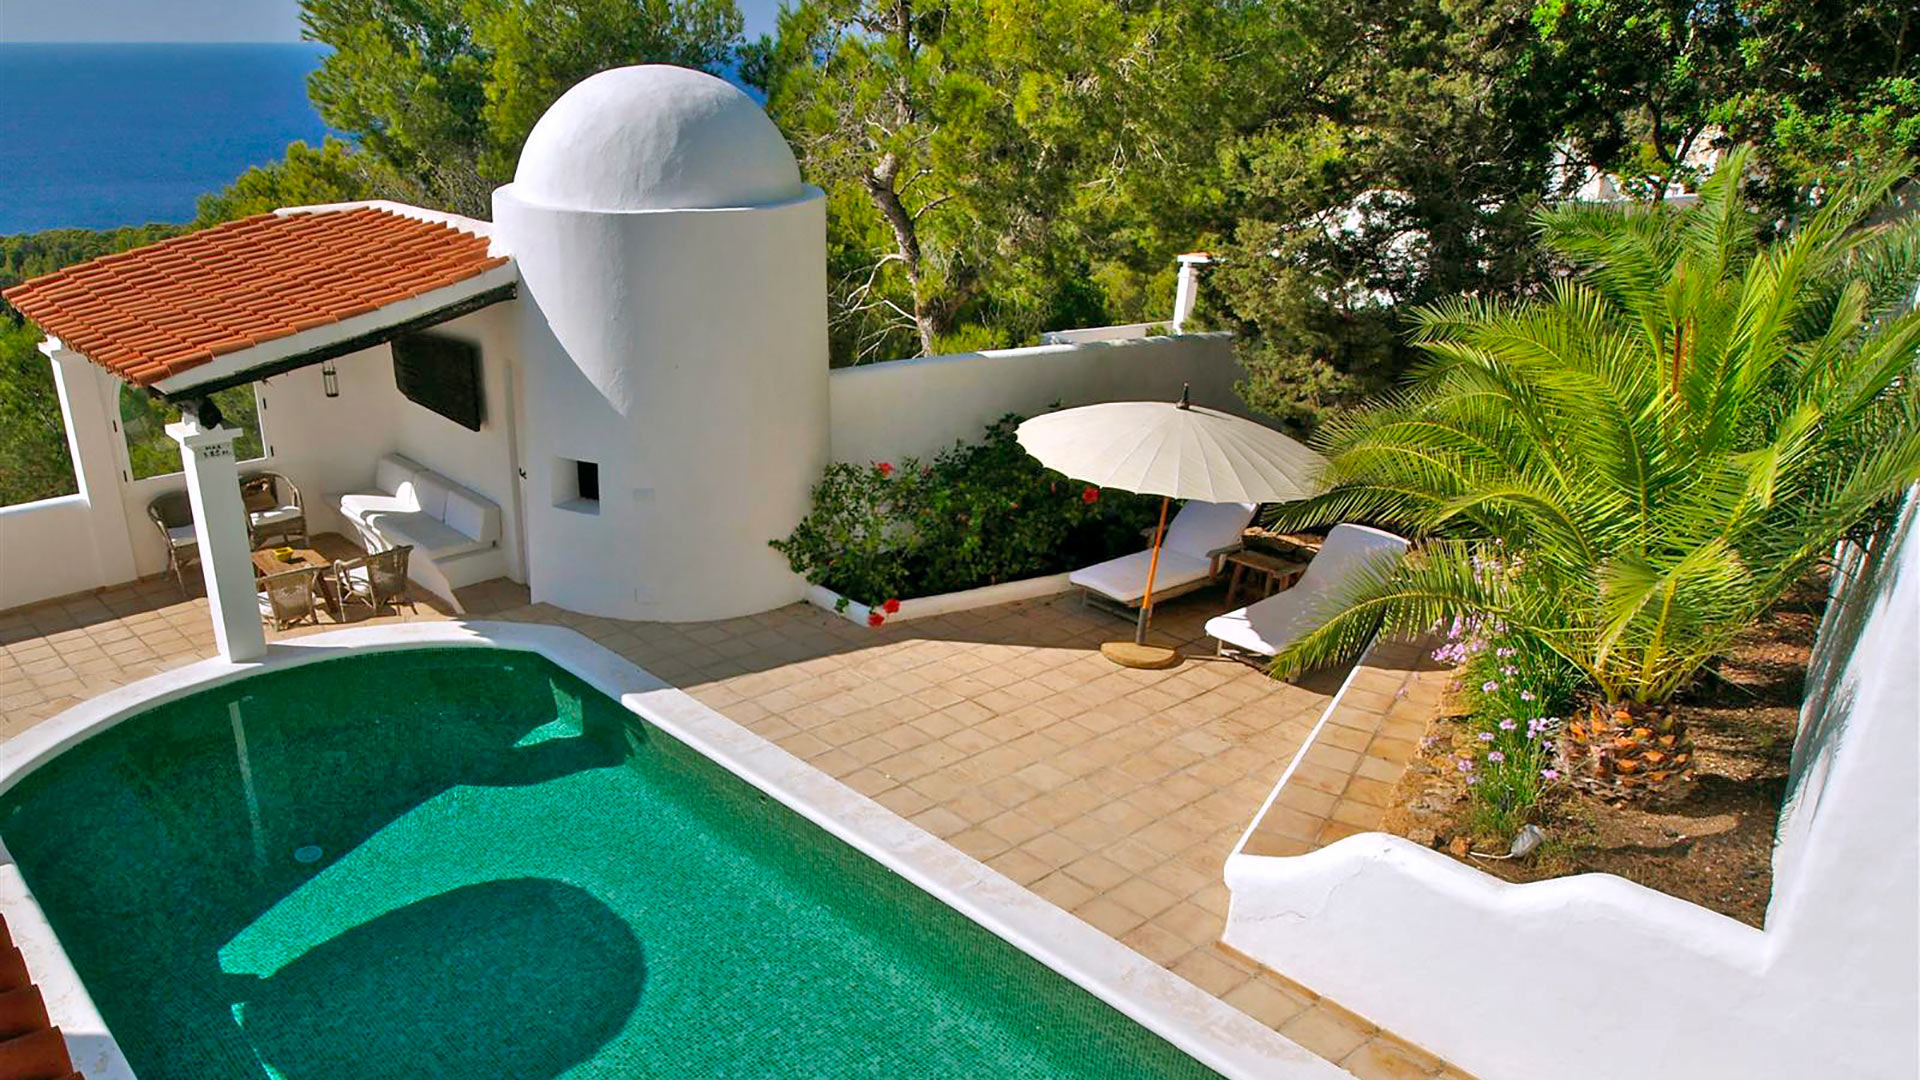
pixel 918 407
pixel 682 351
pixel 66 545
pixel 1595 978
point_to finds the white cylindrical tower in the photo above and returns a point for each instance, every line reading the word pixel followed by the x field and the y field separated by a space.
pixel 674 347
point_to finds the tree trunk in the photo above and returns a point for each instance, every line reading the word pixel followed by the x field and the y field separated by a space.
pixel 879 184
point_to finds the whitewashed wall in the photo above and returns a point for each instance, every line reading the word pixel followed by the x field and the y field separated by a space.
pixel 683 352
pixel 1595 978
pixel 65 545
pixel 918 407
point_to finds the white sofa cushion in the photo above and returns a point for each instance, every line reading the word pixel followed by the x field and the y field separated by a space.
pixel 430 493
pixel 1125 579
pixel 429 536
pixel 356 507
pixel 472 515
pixel 393 471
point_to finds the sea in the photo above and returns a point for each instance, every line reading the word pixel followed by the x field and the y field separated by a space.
pixel 102 135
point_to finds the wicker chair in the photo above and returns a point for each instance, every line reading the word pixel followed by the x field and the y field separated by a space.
pixel 172 514
pixel 275 510
pixel 291 597
pixel 375 580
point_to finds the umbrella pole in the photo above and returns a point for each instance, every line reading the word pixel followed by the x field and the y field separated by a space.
pixel 1137 653
pixel 1153 567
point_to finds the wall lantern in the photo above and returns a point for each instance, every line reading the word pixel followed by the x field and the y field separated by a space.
pixel 329 379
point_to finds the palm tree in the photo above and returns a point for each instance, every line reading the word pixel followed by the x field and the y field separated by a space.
pixel 1633 470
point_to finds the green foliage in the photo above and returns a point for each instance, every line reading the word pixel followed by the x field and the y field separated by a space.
pixel 1399 168
pixel 306 176
pixel 152 452
pixel 443 92
pixel 996 168
pixel 1664 446
pixel 978 515
pixel 34 460
pixel 1809 85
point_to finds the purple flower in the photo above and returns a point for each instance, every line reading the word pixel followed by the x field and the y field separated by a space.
pixel 1495 757
pixel 1472 780
pixel 1489 686
pixel 1485 736
pixel 1504 651
pixel 1526 695
pixel 1465 764
pixel 1508 724
pixel 1549 774
pixel 1509 671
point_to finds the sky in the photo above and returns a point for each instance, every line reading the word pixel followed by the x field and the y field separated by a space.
pixel 202 20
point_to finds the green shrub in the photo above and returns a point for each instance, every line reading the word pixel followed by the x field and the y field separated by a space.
pixel 977 515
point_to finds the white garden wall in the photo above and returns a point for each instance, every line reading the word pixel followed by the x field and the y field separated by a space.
pixel 919 407
pixel 1595 978
pixel 59 546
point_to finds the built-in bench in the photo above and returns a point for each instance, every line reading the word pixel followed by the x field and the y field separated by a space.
pixel 455 531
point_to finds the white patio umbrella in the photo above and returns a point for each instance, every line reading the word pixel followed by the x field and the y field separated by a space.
pixel 1175 450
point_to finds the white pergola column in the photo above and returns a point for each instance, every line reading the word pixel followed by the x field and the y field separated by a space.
pixel 220 525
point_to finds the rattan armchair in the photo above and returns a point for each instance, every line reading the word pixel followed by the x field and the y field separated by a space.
pixel 375 580
pixel 291 597
pixel 172 514
pixel 275 510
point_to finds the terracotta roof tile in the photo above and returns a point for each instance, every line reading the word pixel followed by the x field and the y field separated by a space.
pixel 150 313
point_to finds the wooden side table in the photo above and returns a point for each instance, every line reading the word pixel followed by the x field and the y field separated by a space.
pixel 1273 572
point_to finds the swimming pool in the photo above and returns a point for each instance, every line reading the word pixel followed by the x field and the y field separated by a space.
pixel 469 863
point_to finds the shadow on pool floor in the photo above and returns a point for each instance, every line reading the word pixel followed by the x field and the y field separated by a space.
pixel 522 978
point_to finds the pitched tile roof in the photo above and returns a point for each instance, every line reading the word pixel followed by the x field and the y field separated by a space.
pixel 153 312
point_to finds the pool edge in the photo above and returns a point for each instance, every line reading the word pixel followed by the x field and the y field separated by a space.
pixel 1199 1024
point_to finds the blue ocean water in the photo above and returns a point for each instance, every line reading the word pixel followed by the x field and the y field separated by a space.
pixel 104 135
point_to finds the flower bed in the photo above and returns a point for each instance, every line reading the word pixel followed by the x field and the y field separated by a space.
pixel 883 535
pixel 941 604
pixel 1710 842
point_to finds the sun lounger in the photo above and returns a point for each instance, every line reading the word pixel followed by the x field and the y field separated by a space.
pixel 1272 624
pixel 1200 534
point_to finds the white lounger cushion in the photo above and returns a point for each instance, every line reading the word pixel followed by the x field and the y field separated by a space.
pixel 1200 529
pixel 1125 579
pixel 1196 533
pixel 1274 623
pixel 429 536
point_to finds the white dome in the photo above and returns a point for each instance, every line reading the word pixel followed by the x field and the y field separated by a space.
pixel 655 137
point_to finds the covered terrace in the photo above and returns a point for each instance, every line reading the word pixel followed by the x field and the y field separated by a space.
pixel 301 306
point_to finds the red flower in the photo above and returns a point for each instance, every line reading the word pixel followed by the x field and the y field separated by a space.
pixel 885 467
pixel 874 618
pixel 892 607
pixel 1091 495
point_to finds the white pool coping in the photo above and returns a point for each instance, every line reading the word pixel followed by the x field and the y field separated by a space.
pixel 1201 1025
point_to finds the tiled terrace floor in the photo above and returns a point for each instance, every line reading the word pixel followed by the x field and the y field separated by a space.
pixel 1116 794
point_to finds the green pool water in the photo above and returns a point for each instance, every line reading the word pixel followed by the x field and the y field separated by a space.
pixel 510 878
